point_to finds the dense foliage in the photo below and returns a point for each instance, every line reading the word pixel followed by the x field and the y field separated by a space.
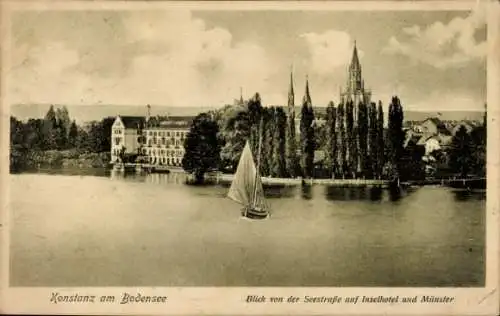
pixel 31 142
pixel 202 147
pixel 347 141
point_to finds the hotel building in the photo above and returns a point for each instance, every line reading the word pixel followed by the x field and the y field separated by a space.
pixel 158 140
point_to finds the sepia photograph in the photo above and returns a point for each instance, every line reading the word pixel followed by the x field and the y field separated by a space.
pixel 192 146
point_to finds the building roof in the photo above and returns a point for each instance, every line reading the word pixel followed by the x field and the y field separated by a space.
pixel 441 127
pixel 411 138
pixel 424 139
pixel 161 122
pixel 133 121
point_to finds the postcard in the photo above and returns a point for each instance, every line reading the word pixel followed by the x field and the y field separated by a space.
pixel 257 158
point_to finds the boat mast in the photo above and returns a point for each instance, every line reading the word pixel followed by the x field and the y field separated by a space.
pixel 258 162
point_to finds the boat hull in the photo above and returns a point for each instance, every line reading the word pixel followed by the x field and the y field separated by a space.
pixel 254 214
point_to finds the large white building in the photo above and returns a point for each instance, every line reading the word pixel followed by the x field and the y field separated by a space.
pixel 126 135
pixel 160 140
pixel 164 141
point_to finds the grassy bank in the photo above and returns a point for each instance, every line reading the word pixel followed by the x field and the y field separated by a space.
pixel 24 159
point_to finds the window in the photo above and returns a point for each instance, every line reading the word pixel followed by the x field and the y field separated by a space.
pixel 177 134
pixel 163 140
pixel 168 134
pixel 150 133
pixel 117 140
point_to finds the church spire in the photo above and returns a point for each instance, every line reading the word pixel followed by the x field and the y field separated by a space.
pixel 355 60
pixel 307 96
pixel 241 96
pixel 291 95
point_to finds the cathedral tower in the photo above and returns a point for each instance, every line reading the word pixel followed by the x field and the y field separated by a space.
pixel 355 87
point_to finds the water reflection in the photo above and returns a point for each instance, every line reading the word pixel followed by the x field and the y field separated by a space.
pixel 306 192
pixel 333 193
pixel 395 193
pixel 428 237
pixel 173 178
pixel 466 195
pixel 376 194
pixel 279 191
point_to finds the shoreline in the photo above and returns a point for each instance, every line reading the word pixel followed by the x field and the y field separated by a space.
pixel 228 178
pixel 219 178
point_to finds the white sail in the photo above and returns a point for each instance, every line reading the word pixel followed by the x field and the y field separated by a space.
pixel 246 187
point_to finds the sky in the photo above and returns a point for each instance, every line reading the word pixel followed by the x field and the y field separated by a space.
pixel 433 60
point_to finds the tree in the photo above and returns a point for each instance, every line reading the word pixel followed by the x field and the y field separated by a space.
pixel 372 139
pixel 331 138
pixel 307 135
pixel 396 134
pixel 18 149
pixel 460 152
pixel 62 116
pixel 362 136
pixel 478 150
pixel 269 126
pixel 380 140
pixel 48 136
pixel 278 167
pixel 99 135
pixel 73 135
pixel 202 147
pixel 254 118
pixel 60 135
pixel 291 148
pixel 292 168
pixel 235 133
pixel 351 150
pixel 341 142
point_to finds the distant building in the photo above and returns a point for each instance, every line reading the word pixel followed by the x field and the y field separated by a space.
pixel 433 126
pixel 159 140
pixel 126 134
pixel 469 126
pixel 164 143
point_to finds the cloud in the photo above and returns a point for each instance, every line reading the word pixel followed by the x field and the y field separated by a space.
pixel 329 50
pixel 443 45
pixel 166 58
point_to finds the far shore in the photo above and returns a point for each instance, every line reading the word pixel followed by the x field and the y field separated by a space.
pixel 227 178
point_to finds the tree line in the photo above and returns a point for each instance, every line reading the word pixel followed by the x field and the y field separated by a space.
pixel 355 141
pixel 56 132
pixel 353 147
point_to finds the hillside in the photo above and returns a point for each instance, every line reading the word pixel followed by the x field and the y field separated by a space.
pixel 84 113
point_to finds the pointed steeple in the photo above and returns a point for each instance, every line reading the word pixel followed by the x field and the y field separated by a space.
pixel 291 95
pixel 355 59
pixel 307 96
pixel 241 96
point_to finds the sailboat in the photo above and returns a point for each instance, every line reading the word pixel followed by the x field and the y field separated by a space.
pixel 246 188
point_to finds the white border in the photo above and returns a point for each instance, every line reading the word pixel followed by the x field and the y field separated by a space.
pixel 225 300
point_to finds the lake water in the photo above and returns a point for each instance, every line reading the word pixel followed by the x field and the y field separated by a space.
pixel 108 230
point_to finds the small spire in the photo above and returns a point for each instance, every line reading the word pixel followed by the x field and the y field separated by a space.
pixel 307 96
pixel 355 60
pixel 241 95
